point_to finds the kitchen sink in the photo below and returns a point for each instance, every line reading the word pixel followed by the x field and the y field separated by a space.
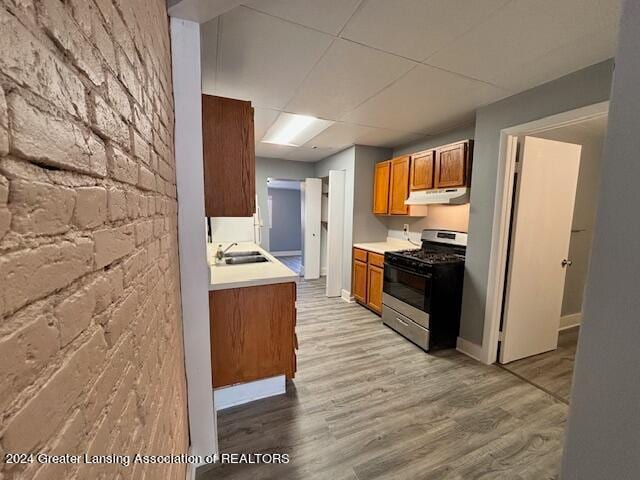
pixel 236 260
pixel 251 253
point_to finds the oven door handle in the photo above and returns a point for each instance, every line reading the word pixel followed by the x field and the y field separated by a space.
pixel 424 275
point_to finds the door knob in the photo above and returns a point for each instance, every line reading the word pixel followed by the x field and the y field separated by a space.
pixel 566 262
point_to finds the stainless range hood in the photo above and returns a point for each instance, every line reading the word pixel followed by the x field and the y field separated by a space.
pixel 450 196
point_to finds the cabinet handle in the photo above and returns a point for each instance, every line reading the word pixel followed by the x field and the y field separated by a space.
pixel 402 322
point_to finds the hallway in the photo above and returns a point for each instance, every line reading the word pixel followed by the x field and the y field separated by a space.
pixel 366 404
pixel 293 262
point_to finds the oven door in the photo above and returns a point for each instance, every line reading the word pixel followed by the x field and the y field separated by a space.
pixel 408 293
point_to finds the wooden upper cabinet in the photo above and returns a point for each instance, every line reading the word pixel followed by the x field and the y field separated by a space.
pixel 422 164
pixel 381 178
pixel 399 189
pixel 229 157
pixel 452 165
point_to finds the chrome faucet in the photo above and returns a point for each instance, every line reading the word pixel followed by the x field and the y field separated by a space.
pixel 220 252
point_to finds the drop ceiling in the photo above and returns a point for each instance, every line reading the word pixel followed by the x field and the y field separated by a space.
pixel 391 72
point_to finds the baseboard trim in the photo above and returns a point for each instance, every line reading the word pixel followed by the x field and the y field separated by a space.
pixel 470 349
pixel 242 393
pixel 287 253
pixel 346 296
pixel 570 321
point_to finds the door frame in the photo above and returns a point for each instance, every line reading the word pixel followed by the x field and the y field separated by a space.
pixel 502 213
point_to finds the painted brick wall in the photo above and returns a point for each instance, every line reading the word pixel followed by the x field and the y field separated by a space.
pixel 91 353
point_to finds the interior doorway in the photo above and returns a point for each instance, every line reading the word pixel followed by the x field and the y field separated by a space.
pixel 284 222
pixel 555 191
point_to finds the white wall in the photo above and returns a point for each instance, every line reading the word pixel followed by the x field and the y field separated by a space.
pixel 603 432
pixel 194 274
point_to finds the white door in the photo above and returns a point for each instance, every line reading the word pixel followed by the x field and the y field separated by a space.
pixel 312 209
pixel 540 235
pixel 335 237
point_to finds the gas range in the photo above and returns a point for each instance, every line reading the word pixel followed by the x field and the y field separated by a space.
pixel 430 257
pixel 422 289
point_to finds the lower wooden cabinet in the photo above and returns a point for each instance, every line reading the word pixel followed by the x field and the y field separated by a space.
pixel 359 281
pixel 375 276
pixel 367 278
pixel 252 333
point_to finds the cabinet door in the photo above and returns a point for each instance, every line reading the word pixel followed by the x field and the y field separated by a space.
pixel 381 188
pixel 359 281
pixel 451 166
pixel 422 170
pixel 252 333
pixel 375 277
pixel 399 186
pixel 229 157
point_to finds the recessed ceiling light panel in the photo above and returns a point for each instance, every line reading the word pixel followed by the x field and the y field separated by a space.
pixel 294 130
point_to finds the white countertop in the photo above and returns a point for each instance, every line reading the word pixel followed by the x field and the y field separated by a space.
pixel 390 245
pixel 222 277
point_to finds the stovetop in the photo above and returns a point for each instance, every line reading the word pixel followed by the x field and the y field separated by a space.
pixel 431 257
pixel 441 249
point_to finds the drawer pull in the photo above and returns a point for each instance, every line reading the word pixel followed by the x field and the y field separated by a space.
pixel 402 322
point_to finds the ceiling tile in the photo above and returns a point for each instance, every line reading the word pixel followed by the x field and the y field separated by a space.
pixel 346 76
pixel 521 32
pixel 416 28
pixel 264 59
pixel 342 135
pixel 263 118
pixel 427 100
pixel 208 53
pixel 584 51
pixel 308 154
pixel 328 15
pixel 271 150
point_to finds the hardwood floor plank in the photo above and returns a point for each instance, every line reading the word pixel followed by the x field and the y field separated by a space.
pixel 367 404
pixel 551 371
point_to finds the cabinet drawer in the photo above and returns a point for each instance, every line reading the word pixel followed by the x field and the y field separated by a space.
pixel 359 254
pixel 376 259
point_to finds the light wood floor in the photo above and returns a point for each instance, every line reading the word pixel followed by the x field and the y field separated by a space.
pixel 367 404
pixel 551 371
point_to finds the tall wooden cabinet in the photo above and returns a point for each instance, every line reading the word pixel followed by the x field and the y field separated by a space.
pixel 229 157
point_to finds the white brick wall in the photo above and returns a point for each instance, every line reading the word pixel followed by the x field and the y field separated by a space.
pixel 90 327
